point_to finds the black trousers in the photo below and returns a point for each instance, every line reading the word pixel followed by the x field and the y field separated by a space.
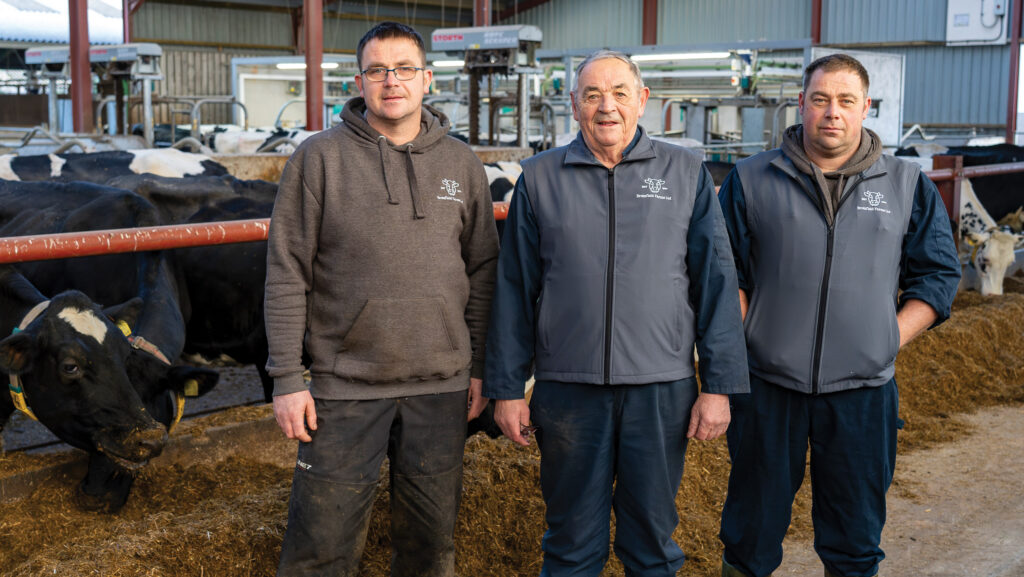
pixel 336 480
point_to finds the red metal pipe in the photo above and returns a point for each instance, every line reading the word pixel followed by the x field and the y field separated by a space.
pixel 650 22
pixel 126 20
pixel 942 174
pixel 1011 104
pixel 81 77
pixel 96 242
pixel 481 12
pixel 313 26
pixel 816 22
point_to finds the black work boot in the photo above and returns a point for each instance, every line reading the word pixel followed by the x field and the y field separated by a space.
pixel 831 574
pixel 730 571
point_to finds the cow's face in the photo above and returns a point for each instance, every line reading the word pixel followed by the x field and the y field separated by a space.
pixel 71 363
pixel 833 108
pixel 993 256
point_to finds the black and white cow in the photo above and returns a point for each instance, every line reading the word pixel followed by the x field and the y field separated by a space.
pixel 158 335
pixel 99 167
pixel 257 140
pixel 987 248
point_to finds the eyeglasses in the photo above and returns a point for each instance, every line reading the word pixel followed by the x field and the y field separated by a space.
pixel 379 74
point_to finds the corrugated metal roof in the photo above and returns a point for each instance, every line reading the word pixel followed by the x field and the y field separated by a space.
pixel 46 21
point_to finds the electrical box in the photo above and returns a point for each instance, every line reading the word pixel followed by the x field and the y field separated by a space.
pixel 976 22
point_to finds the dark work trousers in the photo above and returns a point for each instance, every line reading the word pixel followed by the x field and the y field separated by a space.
pixel 592 436
pixel 852 436
pixel 336 481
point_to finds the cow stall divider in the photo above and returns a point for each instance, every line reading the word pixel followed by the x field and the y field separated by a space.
pixel 949 172
pixel 98 242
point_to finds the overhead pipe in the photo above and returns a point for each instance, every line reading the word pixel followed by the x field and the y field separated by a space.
pixel 99 242
pixel 1011 103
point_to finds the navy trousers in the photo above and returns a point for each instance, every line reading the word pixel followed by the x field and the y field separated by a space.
pixel 605 448
pixel 336 478
pixel 852 438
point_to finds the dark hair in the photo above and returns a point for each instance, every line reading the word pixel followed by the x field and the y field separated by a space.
pixel 833 63
pixel 386 30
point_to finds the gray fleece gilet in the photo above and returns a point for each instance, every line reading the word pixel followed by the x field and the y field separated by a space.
pixel 822 314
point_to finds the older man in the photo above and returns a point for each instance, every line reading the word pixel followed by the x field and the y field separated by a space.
pixel 826 232
pixel 615 261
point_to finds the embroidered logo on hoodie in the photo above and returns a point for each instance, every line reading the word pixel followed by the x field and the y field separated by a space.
pixel 655 186
pixel 452 189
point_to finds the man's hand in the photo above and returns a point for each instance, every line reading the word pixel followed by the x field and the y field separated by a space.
pixel 913 319
pixel 512 415
pixel 476 401
pixel 709 417
pixel 293 411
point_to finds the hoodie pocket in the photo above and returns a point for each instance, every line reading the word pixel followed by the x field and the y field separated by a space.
pixel 400 339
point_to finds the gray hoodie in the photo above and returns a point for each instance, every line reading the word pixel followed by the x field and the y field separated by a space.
pixel 381 259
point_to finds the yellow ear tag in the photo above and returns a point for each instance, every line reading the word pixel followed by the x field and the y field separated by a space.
pixel 124 328
pixel 191 388
pixel 179 411
pixel 18 397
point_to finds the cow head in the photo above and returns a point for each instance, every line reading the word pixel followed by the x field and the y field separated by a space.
pixel 71 364
pixel 991 255
pixel 1014 220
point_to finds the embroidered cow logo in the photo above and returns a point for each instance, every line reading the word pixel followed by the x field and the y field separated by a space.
pixel 873 198
pixel 450 186
pixel 654 184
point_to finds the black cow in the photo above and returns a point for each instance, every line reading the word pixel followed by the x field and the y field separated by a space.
pixel 1000 194
pixel 99 167
pixel 158 335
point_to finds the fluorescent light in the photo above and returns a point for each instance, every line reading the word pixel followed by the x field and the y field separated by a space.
pixel 681 56
pixel 449 63
pixel 302 65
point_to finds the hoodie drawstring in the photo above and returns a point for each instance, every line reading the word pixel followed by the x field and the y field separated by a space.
pixel 414 189
pixel 382 143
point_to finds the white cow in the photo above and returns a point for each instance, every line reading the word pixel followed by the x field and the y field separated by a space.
pixel 987 248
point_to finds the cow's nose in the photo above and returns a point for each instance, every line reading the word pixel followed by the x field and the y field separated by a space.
pixel 150 442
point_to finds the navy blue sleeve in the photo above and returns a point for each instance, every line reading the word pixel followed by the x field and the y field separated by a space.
pixel 510 336
pixel 721 346
pixel 734 210
pixel 930 269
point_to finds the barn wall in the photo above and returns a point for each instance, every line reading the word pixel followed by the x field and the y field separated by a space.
pixel 711 21
pixel 891 21
pixel 585 23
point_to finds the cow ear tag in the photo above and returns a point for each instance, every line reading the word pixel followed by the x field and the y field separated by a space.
pixel 125 329
pixel 18 397
pixel 191 388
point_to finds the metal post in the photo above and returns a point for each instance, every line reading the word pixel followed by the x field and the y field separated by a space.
pixel 81 76
pixel 523 123
pixel 313 25
pixel 570 78
pixel 147 112
pixel 950 189
pixel 650 22
pixel 474 106
pixel 1011 103
pixel 482 13
pixel 51 104
pixel 815 22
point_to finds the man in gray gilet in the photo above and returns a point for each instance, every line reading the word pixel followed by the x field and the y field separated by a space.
pixel 614 262
pixel 826 231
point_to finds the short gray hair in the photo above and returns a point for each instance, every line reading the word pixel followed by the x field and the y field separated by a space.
pixel 604 55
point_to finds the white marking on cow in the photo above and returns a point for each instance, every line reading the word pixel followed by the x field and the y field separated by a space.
pixel 167 162
pixel 6 172
pixel 56 165
pixel 85 322
pixel 989 249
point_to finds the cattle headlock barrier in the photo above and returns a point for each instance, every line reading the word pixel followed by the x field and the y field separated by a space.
pixel 948 173
pixel 96 242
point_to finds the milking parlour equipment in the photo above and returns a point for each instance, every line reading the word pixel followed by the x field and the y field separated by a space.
pixel 125 70
pixel 494 50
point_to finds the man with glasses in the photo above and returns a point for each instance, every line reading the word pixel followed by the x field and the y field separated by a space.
pixel 381 261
